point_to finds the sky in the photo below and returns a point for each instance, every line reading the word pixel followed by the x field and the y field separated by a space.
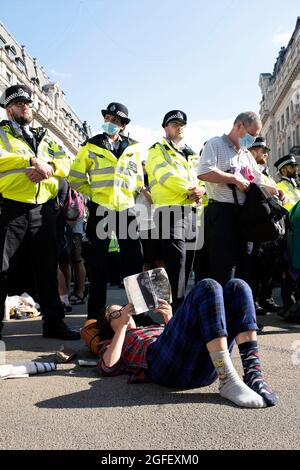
pixel 202 57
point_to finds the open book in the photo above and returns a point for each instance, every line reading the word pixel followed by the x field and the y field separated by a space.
pixel 144 289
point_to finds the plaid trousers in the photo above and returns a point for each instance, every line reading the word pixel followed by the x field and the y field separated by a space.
pixel 179 357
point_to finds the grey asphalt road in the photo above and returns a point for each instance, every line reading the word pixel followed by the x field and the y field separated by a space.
pixel 72 408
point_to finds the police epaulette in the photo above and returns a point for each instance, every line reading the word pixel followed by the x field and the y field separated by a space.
pixel 188 151
pixel 131 141
pixel 153 146
pixel 98 140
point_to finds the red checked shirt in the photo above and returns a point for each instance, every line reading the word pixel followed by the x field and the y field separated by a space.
pixel 133 357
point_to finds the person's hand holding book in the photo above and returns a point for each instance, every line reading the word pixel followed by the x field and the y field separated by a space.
pixel 165 309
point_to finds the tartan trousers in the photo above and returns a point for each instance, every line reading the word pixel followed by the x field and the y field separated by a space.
pixel 179 357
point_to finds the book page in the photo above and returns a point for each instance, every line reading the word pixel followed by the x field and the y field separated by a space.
pixel 134 294
pixel 161 284
pixel 144 289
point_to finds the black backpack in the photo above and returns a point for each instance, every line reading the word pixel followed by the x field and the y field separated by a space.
pixel 261 218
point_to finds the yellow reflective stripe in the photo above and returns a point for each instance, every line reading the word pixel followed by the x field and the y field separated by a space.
pixel 153 183
pixel 4 138
pixel 166 153
pixel 77 174
pixel 102 171
pixel 158 166
pixel 77 185
pixel 102 184
pixel 94 156
pixel 11 172
pixel 164 178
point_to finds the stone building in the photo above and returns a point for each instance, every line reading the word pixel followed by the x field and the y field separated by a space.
pixel 280 105
pixel 50 107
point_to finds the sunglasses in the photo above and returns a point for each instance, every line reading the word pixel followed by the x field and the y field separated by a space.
pixel 113 315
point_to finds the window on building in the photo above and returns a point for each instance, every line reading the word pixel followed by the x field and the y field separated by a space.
pixel 8 77
pixel 292 108
pixel 56 99
pixel 297 135
pixel 2 42
pixel 279 152
pixel 289 146
pixel 11 51
pixel 21 64
pixel 282 121
pixel 278 127
pixel 282 149
pixel 294 138
pixel 287 114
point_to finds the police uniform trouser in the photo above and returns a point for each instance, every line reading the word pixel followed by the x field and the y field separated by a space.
pixel 100 224
pixel 227 254
pixel 35 226
pixel 176 226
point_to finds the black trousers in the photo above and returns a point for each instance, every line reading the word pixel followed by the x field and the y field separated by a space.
pixel 32 226
pixel 177 233
pixel 99 228
pixel 227 255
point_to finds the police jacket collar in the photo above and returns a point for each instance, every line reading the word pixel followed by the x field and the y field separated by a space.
pixel 38 132
pixel 101 140
pixel 293 181
pixel 185 151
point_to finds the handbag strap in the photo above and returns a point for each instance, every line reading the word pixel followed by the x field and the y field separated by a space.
pixel 234 193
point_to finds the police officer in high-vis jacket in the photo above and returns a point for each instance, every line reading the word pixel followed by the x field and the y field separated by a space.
pixel 108 169
pixel 30 167
pixel 289 182
pixel 175 190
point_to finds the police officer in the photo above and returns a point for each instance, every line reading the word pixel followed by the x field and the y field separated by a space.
pixel 172 171
pixel 108 169
pixel 289 182
pixel 30 167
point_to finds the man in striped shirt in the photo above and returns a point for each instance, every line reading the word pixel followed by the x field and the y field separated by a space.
pixel 225 164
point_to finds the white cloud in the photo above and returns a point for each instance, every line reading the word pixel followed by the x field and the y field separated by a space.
pixel 195 135
pixel 282 37
pixel 60 74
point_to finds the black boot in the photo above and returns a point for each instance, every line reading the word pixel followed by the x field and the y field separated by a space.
pixel 60 330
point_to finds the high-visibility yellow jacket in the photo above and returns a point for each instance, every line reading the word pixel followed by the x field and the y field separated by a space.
pixel 291 191
pixel 109 181
pixel 171 175
pixel 15 154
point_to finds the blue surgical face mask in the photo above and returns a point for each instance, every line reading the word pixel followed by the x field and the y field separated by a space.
pixel 110 128
pixel 246 141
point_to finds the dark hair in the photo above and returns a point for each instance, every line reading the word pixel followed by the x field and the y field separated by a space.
pixel 105 330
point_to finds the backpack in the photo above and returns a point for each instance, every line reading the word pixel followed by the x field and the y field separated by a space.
pixel 293 237
pixel 261 218
pixel 73 208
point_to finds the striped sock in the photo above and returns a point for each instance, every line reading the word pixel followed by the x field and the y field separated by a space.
pixel 253 374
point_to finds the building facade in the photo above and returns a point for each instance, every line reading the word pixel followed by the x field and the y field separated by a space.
pixel 280 105
pixel 49 105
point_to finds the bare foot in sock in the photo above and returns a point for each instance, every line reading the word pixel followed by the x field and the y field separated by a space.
pixel 231 385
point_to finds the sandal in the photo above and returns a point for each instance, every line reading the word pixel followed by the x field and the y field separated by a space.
pixel 76 300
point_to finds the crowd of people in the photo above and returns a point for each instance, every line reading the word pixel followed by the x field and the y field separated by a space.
pixel 146 211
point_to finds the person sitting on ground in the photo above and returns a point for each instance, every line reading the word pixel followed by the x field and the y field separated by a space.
pixel 193 348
